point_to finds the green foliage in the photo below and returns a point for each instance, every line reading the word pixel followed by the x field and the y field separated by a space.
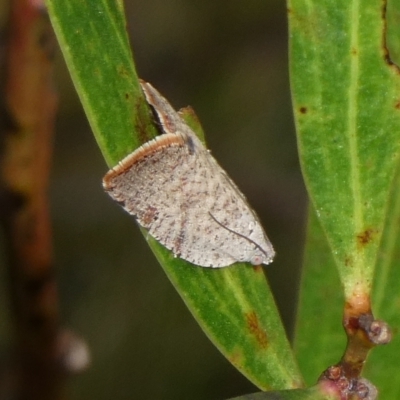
pixel 345 96
pixel 346 101
pixel 319 330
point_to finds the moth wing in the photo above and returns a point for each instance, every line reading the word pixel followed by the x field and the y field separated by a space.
pixel 159 185
pixel 146 184
pixel 239 234
pixel 246 222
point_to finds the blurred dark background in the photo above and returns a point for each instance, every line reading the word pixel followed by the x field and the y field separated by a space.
pixel 229 60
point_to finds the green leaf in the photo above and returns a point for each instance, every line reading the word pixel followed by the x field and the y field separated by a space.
pixel 95 46
pixel 383 364
pixel 234 306
pixel 319 330
pixel 346 97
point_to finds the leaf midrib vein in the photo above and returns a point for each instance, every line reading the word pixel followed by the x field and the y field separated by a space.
pixel 352 126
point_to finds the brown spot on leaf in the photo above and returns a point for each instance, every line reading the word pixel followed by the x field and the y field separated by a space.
pixel 256 330
pixel 303 110
pixel 122 71
pixel 141 122
pixel 236 358
pixel 385 49
pixel 348 261
pixel 258 268
pixel 366 236
pixel 354 51
pixel 397 105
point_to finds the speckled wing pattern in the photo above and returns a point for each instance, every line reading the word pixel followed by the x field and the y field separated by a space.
pixel 176 189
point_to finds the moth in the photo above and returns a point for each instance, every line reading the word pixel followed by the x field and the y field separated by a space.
pixel 175 189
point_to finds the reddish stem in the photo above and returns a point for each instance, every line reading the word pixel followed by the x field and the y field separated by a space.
pixel 363 333
pixel 31 104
